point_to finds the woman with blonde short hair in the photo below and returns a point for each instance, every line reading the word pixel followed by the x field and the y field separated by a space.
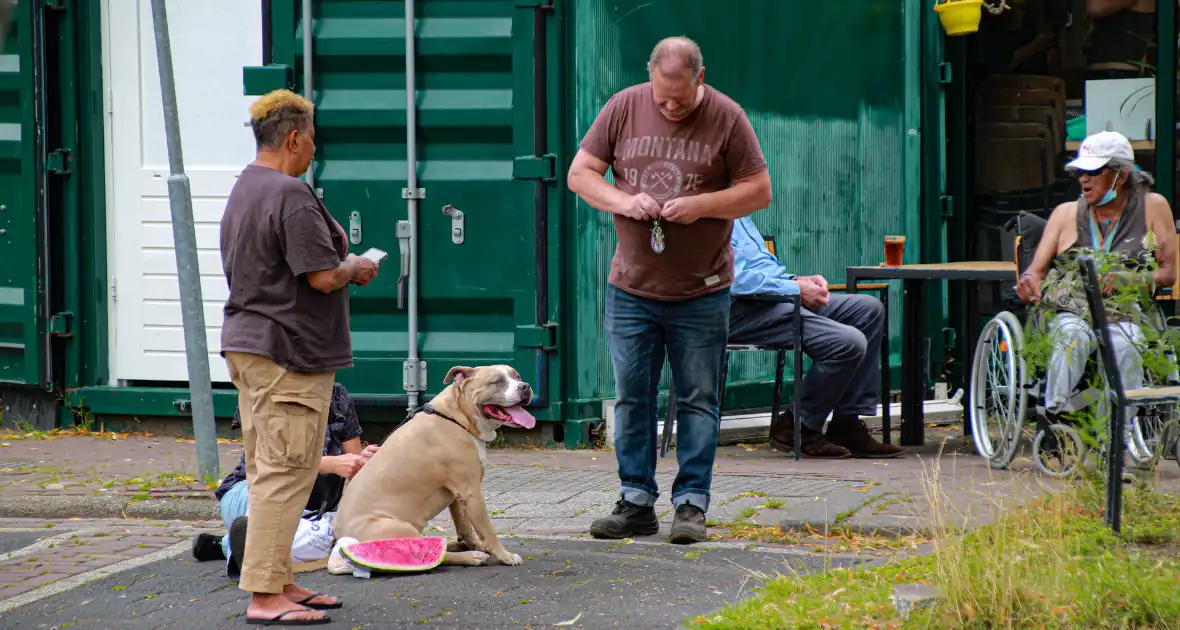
pixel 285 335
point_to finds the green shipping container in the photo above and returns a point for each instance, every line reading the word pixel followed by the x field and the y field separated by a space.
pixel 508 266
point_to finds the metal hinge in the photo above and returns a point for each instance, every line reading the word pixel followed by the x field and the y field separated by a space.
pixel 543 167
pixel 112 288
pixel 543 337
pixel 414 376
pixel 61 324
pixel 58 162
pixel 944 72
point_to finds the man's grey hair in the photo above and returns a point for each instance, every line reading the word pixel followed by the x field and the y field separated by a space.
pixel 1137 178
pixel 682 49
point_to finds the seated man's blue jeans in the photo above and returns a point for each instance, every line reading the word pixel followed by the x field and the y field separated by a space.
pixel 232 505
pixel 843 340
pixel 694 332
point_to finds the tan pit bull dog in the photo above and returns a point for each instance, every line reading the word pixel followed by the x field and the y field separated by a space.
pixel 435 461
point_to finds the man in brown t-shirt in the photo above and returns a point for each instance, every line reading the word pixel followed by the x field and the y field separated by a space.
pixel 285 334
pixel 685 163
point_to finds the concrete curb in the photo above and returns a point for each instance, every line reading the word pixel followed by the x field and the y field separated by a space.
pixel 50 507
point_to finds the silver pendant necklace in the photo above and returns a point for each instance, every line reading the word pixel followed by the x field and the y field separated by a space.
pixel 657 237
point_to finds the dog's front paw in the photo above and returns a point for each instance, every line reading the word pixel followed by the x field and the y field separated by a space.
pixel 510 559
pixel 478 558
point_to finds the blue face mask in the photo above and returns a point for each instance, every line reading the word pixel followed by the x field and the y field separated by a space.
pixel 1110 195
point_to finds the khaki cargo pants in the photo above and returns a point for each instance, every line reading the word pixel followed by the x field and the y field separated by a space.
pixel 284 419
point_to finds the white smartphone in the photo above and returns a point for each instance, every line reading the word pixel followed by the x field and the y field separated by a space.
pixel 376 255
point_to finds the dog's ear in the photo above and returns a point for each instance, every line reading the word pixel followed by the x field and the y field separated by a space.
pixel 458 373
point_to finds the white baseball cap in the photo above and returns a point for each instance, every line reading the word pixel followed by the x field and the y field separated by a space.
pixel 1097 150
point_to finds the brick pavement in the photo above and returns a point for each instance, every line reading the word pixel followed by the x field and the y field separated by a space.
pixel 536 490
pixel 66 553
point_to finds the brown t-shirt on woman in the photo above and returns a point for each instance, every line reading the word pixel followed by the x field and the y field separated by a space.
pixel 273 233
pixel 648 153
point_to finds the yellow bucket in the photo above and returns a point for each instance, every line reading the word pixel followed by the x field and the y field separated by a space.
pixel 959 17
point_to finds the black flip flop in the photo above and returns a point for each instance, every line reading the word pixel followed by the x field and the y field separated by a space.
pixel 307 602
pixel 278 620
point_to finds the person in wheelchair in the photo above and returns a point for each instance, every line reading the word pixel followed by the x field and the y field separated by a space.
pixel 1116 214
pixel 841 334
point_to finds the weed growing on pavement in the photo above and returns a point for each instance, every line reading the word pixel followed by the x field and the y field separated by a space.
pixel 836 540
pixel 1048 562
pixel 25 432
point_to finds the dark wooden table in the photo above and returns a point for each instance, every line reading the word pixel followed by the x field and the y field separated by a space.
pixel 915 357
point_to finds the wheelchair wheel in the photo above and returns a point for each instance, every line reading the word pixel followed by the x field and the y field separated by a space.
pixel 1176 449
pixel 1170 442
pixel 1147 433
pixel 1058 450
pixel 998 399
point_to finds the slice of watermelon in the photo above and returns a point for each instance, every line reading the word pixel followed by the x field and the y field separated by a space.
pixel 398 554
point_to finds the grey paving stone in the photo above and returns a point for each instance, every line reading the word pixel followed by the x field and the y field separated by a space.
pixel 774 517
pixel 733 510
pixel 571 508
pixel 556 526
pixel 531 497
pixel 827 509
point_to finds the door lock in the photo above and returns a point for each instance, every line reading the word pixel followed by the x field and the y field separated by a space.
pixel 456 223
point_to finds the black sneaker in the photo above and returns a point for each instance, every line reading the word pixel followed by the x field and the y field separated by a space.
pixel 237 540
pixel 207 547
pixel 627 521
pixel 688 526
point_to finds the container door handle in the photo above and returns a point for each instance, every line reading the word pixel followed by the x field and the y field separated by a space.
pixel 403 245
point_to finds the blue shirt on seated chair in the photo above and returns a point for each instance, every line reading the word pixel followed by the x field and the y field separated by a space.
pixel 842 337
pixel 756 270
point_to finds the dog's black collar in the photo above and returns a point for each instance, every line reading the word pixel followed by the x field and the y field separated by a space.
pixel 428 408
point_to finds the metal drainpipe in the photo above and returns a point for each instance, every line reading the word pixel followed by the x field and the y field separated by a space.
pixel 412 195
pixel 307 78
pixel 541 196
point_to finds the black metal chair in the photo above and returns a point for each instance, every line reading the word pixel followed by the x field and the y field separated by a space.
pixel 780 368
pixel 882 290
pixel 1165 395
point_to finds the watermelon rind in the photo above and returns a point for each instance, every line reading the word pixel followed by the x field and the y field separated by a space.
pixel 368 554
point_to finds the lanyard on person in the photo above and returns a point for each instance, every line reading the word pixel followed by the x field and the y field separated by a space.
pixel 1104 244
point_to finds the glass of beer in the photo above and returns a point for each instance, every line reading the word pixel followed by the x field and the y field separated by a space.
pixel 894 250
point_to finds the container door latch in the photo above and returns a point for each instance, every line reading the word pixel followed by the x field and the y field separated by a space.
pixel 456 223
pixel 403 245
pixel 354 227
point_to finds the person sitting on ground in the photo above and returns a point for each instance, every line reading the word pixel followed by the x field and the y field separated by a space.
pixel 1116 213
pixel 342 458
pixel 841 334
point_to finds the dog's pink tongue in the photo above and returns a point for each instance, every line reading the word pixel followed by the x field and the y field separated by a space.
pixel 520 417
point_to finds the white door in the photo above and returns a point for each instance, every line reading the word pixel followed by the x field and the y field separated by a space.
pixel 211 41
